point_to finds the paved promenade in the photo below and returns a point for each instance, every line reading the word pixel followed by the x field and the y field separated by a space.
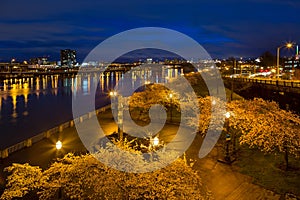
pixel 224 181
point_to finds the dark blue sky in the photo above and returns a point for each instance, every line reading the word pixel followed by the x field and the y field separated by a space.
pixel 226 28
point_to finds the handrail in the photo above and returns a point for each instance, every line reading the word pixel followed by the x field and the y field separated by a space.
pixel 46 134
pixel 284 83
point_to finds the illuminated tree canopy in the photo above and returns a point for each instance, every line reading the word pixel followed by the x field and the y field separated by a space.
pixel 84 177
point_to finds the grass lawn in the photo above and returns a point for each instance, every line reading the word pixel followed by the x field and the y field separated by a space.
pixel 269 170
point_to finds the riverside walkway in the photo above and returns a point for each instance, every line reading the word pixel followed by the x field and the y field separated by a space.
pixel 224 181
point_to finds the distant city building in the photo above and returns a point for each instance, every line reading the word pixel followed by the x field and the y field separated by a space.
pixel 68 58
pixel 291 64
pixel 292 67
pixel 149 60
pixel 39 61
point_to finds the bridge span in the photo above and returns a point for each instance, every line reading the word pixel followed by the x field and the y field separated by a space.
pixel 285 92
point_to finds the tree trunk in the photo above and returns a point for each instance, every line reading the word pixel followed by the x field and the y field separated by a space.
pixel 234 142
pixel 286 158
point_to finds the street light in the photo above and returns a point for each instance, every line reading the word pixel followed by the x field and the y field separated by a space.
pixel 227 156
pixel 171 107
pixel 213 102
pixel 119 108
pixel 287 45
pixel 155 141
pixel 113 95
pixel 58 145
pixel 227 115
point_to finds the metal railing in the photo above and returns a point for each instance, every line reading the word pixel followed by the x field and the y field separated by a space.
pixel 275 82
pixel 46 134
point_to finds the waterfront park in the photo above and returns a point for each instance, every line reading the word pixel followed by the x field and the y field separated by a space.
pixel 257 153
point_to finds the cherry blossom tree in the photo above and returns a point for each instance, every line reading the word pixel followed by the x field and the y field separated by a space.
pixel 20 186
pixel 264 125
pixel 141 102
pixel 258 123
pixel 84 177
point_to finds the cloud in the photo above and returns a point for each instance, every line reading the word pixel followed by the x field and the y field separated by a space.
pixel 232 25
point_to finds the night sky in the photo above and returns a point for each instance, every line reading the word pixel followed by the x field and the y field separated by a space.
pixel 246 28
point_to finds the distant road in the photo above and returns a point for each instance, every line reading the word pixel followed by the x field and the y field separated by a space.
pixel 268 81
pixel 67 72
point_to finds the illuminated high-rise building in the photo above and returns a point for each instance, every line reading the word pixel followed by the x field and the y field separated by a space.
pixel 68 58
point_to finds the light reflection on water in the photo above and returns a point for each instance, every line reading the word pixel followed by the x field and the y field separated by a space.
pixel 29 106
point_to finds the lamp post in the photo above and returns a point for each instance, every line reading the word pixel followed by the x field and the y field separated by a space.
pixel 154 143
pixel 113 95
pixel 119 113
pixel 58 146
pixel 120 117
pixel 171 107
pixel 287 45
pixel 228 138
pixel 227 158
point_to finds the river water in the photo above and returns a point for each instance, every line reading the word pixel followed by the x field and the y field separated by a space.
pixel 29 106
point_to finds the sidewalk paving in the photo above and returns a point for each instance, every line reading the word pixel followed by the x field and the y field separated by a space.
pixel 224 181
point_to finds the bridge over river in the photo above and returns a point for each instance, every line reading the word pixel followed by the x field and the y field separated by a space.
pixel 285 92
